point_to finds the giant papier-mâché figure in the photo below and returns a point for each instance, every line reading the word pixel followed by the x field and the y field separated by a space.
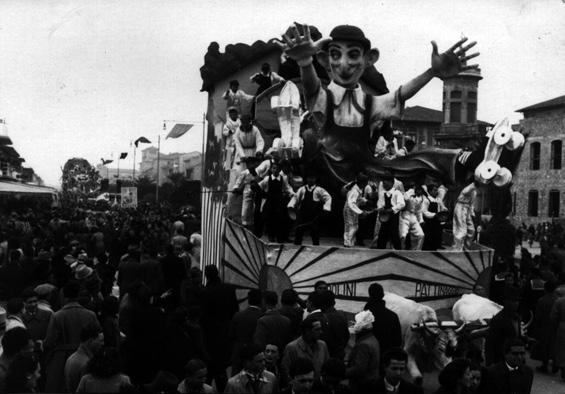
pixel 349 117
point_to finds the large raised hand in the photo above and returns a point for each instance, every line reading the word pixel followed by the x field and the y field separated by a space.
pixel 298 47
pixel 454 60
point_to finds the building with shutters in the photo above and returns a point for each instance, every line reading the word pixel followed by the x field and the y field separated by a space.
pixel 538 189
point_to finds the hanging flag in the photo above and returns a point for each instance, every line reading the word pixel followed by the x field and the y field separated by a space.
pixel 104 162
pixel 178 130
pixel 123 155
pixel 141 140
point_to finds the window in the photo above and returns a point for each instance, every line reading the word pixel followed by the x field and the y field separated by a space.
pixel 472 95
pixel 455 94
pixel 534 155
pixel 455 113
pixel 533 203
pixel 553 207
pixel 471 112
pixel 556 154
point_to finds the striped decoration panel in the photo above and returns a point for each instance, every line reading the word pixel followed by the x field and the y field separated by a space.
pixel 437 278
pixel 213 224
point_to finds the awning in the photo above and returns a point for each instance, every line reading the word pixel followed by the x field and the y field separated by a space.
pixel 22 188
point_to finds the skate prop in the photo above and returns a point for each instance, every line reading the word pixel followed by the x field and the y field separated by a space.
pixel 500 137
pixel 287 107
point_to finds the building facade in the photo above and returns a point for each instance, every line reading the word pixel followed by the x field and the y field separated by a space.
pixel 539 183
pixel 460 127
pixel 188 164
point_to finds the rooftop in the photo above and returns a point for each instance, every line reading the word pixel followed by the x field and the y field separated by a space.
pixel 556 102
pixel 428 115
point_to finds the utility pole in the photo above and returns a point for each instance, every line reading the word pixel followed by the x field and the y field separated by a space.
pixel 158 165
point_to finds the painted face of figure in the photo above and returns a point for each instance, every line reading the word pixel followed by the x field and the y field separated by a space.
pixel 347 62
pixel 394 371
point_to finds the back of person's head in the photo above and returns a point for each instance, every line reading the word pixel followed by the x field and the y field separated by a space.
pixel 288 297
pixel 211 272
pixel 15 340
pixel 301 366
pixel 316 300
pixel 88 332
pixel 453 372
pixel 334 367
pixel 105 363
pixel 308 323
pixel 327 299
pixel 394 353
pixel 15 306
pixel 271 298
pixel 321 285
pixel 71 290
pixel 20 371
pixel 376 291
pixel 409 145
pixel 254 297
pixel 249 351
pixel 194 365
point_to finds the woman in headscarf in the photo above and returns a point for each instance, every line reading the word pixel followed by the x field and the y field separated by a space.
pixel 363 362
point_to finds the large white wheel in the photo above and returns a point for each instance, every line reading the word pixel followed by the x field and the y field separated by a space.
pixel 486 171
pixel 503 177
pixel 516 141
pixel 502 135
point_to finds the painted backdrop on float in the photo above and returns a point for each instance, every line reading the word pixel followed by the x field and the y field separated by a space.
pixel 436 278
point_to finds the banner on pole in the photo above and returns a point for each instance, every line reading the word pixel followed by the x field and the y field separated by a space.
pixel 129 197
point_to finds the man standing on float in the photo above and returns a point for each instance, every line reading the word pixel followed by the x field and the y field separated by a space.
pixel 348 116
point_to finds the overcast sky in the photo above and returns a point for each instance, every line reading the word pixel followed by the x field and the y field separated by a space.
pixel 84 78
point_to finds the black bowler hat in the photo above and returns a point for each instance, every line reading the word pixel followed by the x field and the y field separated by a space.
pixel 350 33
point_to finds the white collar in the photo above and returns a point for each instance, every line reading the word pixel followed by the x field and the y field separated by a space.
pixel 339 93
pixel 278 177
pixel 511 368
pixel 390 387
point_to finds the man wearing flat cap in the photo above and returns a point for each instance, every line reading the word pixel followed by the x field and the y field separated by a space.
pixel 350 117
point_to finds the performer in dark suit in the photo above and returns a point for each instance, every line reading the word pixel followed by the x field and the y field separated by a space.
pixel 394 363
pixel 510 376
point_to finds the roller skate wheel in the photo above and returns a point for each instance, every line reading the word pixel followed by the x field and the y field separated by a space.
pixel 503 177
pixel 516 141
pixel 487 170
pixel 502 135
